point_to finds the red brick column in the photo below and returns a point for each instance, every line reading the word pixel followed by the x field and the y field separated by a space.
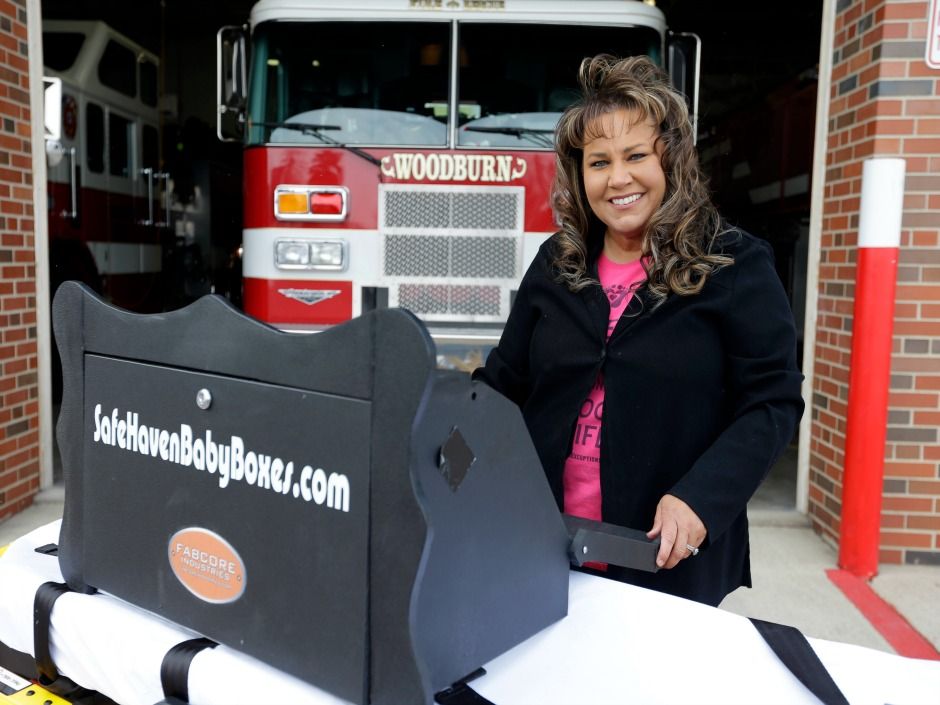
pixel 19 390
pixel 885 102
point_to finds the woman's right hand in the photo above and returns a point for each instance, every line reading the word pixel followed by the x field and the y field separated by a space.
pixel 678 528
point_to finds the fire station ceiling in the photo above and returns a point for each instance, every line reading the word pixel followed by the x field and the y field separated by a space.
pixel 748 49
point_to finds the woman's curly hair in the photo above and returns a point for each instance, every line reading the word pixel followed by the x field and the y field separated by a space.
pixel 681 234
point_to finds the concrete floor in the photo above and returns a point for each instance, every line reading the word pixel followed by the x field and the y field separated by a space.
pixel 789 563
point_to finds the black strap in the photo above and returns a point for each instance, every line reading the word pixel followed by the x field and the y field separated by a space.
pixel 794 651
pixel 174 671
pixel 20 662
pixel 49 676
pixel 45 598
pixel 462 694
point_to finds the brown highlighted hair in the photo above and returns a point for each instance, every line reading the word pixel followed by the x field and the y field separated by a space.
pixel 681 234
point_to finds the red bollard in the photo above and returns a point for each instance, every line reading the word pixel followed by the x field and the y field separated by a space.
pixel 879 238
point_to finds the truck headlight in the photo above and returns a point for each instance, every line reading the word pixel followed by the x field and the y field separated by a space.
pixel 291 253
pixel 323 255
pixel 327 255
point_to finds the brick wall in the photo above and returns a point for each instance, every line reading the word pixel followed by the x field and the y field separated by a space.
pixel 19 412
pixel 884 101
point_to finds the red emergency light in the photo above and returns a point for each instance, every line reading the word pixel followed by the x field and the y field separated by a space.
pixel 301 202
pixel 327 203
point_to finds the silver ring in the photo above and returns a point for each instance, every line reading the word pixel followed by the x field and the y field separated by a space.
pixel 692 549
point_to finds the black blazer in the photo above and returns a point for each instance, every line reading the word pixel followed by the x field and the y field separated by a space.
pixel 702 395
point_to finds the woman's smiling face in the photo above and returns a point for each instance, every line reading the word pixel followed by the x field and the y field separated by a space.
pixel 623 176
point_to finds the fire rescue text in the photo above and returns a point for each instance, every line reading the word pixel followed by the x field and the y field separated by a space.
pixel 232 461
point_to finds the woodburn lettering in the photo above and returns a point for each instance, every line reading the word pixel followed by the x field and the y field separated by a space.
pixel 417 166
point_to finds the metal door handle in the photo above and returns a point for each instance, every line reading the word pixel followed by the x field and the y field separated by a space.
pixel 148 172
pixel 73 185
pixel 165 176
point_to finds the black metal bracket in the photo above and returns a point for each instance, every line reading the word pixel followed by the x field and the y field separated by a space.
pixel 599 542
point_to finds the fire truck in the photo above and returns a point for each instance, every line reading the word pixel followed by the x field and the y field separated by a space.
pixel 107 210
pixel 399 152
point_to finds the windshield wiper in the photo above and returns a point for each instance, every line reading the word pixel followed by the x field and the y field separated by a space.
pixel 317 131
pixel 534 134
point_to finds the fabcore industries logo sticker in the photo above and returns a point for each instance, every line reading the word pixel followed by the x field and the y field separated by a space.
pixel 207 565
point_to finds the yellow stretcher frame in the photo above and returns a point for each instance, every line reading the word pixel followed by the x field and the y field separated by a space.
pixel 30 694
pixel 33 695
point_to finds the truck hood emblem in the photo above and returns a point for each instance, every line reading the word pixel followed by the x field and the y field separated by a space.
pixel 309 296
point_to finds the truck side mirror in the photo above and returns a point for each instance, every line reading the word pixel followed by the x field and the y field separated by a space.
pixel 684 50
pixel 52 108
pixel 231 82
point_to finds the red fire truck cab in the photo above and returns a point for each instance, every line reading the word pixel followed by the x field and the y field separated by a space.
pixel 399 153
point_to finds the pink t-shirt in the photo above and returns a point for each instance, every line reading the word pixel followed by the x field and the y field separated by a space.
pixel 582 474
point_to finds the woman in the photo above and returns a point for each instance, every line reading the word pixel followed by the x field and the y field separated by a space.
pixel 651 349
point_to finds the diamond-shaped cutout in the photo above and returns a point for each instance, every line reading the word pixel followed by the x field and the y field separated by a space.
pixel 456 458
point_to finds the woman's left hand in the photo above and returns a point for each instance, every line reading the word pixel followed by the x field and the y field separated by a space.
pixel 679 527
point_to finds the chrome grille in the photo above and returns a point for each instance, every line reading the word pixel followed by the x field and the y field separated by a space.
pixel 474 300
pixel 452 253
pixel 424 298
pixel 453 208
pixel 483 257
pixel 417 209
pixel 417 256
pixel 444 299
pixel 496 211
pixel 450 256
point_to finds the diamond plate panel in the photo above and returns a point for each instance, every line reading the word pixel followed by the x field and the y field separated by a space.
pixel 483 257
pixel 417 256
pixel 417 209
pixel 485 211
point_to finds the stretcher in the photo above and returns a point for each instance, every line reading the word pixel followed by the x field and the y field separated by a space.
pixel 257 517
pixel 618 644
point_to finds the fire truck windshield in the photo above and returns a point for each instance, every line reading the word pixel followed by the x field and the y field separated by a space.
pixel 395 88
pixel 516 79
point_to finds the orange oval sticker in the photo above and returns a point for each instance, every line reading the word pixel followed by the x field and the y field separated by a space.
pixel 207 565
